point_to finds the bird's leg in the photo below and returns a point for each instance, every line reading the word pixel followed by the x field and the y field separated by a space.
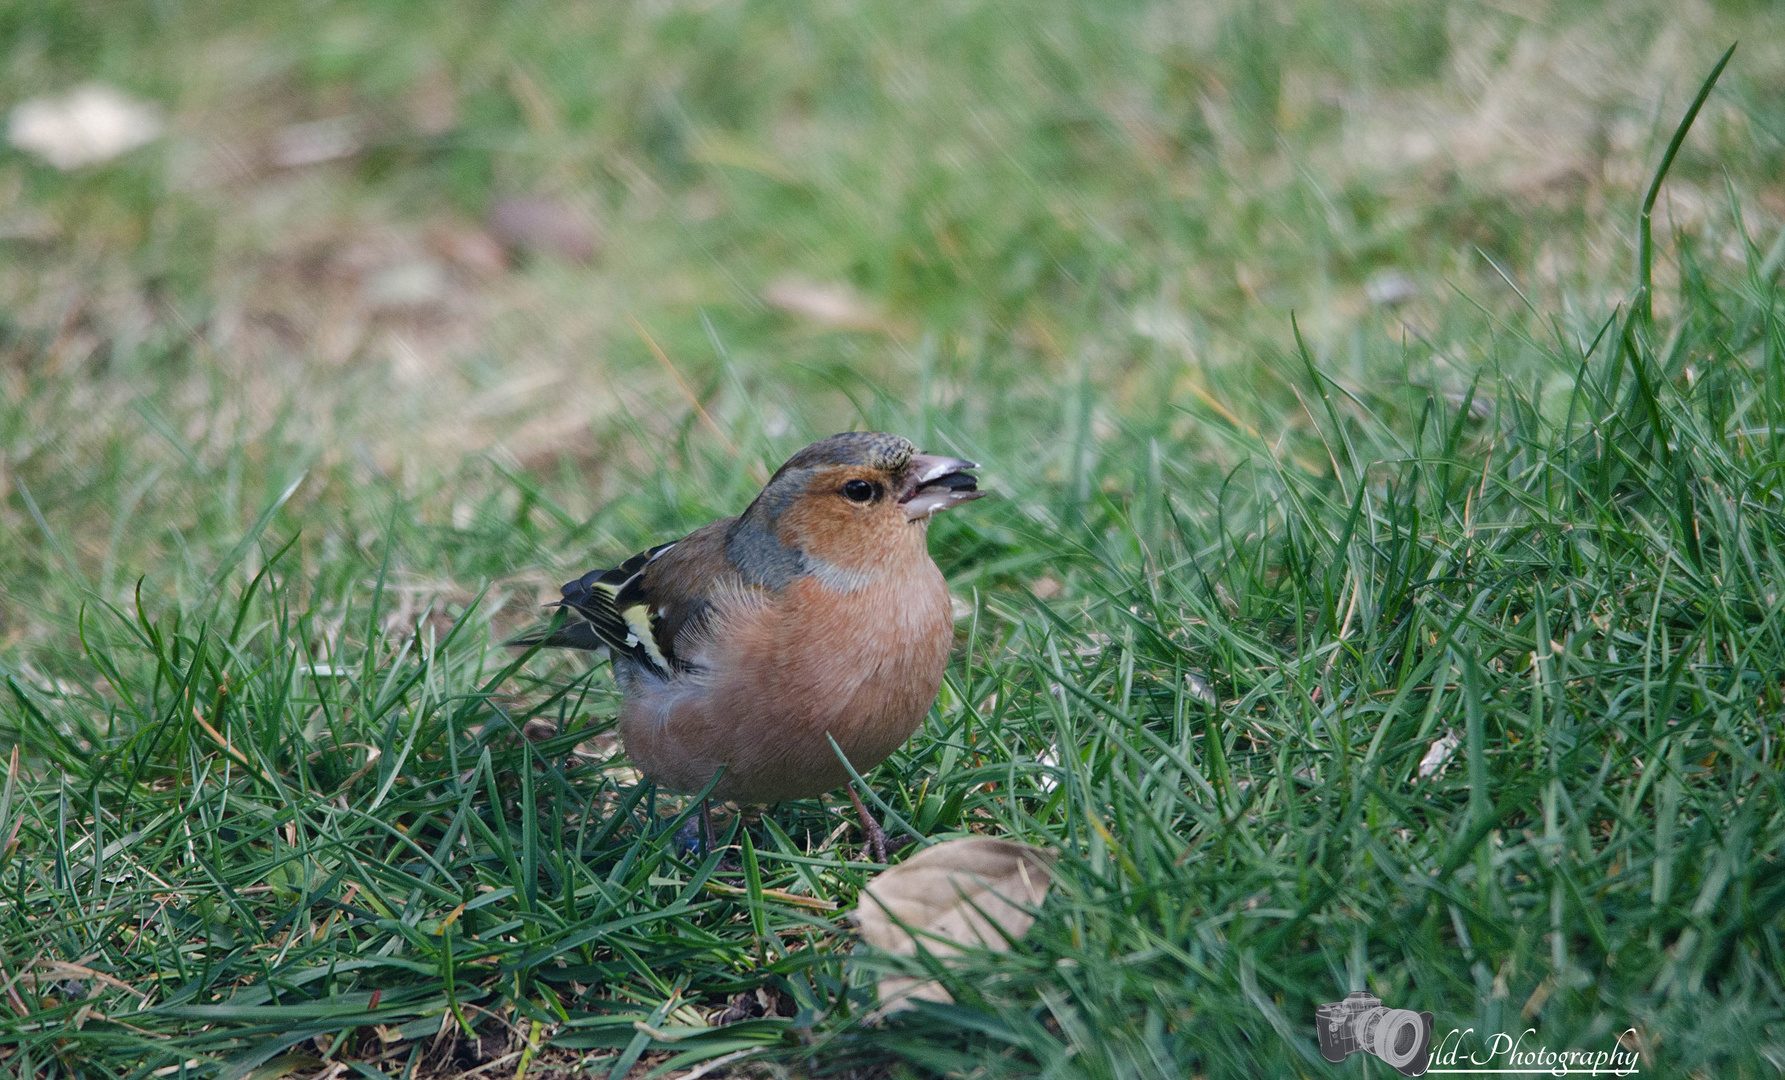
pixel 706 825
pixel 873 836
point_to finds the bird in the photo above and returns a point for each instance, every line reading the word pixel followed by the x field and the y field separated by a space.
pixel 743 649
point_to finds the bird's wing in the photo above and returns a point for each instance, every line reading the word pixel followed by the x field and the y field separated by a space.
pixel 612 614
pixel 640 609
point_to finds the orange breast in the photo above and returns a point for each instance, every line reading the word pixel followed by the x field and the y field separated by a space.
pixel 862 668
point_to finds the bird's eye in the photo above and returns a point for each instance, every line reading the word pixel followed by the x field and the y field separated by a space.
pixel 858 491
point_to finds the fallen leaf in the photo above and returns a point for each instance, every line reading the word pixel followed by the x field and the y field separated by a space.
pixel 88 125
pixel 972 893
pixel 416 283
pixel 433 103
pixel 960 609
pixel 1390 288
pixel 1049 760
pixel 1438 754
pixel 473 250
pixel 33 226
pixel 833 305
pixel 536 226
pixel 317 141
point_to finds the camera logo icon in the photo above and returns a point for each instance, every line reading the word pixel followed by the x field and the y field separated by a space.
pixel 1400 1037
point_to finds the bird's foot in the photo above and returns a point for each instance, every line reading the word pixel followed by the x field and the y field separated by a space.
pixel 873 836
pixel 875 840
pixel 896 844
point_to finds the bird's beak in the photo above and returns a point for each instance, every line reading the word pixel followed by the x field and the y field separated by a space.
pixel 937 483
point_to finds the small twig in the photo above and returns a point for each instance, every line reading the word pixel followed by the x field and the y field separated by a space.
pixel 719 888
pixel 97 1015
pixel 217 737
pixel 836 834
pixel 656 1033
pixel 79 970
pixel 18 1003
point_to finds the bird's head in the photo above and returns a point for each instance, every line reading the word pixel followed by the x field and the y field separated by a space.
pixel 858 498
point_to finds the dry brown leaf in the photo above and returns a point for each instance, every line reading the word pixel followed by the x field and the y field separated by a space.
pixel 469 249
pixel 834 305
pixel 975 892
pixel 541 226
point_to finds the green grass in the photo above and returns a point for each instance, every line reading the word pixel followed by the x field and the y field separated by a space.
pixel 282 799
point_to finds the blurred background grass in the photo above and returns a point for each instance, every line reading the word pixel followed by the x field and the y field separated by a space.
pixel 982 203
pixel 822 214
pixel 510 290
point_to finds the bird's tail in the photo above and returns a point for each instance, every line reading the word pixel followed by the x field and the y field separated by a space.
pixel 586 617
pixel 576 634
pixel 602 611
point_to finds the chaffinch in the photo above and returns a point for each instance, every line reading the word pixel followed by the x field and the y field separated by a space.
pixel 817 611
